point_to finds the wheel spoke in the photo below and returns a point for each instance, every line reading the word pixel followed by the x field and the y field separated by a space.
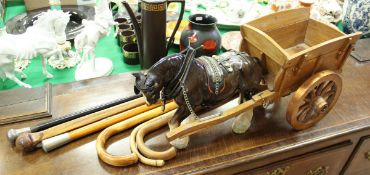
pixel 310 97
pixel 328 94
pixel 303 114
pixel 303 107
pixel 319 88
pixel 304 103
pixel 328 87
pixel 307 108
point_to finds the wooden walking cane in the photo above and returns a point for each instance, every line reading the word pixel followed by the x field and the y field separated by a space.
pixel 59 140
pixel 119 127
pixel 151 126
pixel 29 141
pixel 14 133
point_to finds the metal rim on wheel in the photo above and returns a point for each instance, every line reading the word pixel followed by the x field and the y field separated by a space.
pixel 314 99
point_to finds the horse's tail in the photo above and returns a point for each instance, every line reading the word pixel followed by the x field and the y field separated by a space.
pixel 262 64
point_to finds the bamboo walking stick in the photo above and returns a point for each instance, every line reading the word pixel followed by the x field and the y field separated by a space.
pixel 29 141
pixel 119 127
pixel 57 141
pixel 14 133
pixel 135 151
pixel 151 126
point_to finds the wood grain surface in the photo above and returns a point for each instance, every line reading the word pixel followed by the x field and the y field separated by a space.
pixel 270 140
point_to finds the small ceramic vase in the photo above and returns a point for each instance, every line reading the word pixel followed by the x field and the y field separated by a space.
pixel 201 30
pixel 356 16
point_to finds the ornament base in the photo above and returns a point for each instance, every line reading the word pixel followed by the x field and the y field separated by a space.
pixel 103 67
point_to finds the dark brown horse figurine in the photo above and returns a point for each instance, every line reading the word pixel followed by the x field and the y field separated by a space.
pixel 200 83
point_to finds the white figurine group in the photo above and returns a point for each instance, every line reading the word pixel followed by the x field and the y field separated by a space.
pixel 45 38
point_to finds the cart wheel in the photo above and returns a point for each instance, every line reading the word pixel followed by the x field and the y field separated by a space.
pixel 314 99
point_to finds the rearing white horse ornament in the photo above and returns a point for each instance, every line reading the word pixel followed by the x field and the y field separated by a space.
pixel 43 38
pixel 86 41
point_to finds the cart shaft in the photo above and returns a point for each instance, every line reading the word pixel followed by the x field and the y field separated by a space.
pixel 204 123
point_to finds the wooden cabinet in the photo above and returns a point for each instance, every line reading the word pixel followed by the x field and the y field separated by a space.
pixel 359 163
pixel 315 163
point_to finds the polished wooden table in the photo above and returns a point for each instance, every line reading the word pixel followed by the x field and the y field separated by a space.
pixel 338 144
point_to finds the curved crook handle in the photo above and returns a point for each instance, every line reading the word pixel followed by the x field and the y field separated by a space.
pixel 172 38
pixel 151 126
pixel 143 159
pixel 121 126
pixel 111 159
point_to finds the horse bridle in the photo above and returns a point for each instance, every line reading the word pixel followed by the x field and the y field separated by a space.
pixel 174 83
pixel 173 88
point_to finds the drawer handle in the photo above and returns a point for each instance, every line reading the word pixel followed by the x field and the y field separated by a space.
pixel 278 171
pixel 321 170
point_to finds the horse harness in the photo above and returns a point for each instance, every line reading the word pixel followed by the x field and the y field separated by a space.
pixel 217 67
pixel 214 67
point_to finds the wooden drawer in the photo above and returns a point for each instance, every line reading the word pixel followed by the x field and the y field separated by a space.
pixel 360 160
pixel 326 161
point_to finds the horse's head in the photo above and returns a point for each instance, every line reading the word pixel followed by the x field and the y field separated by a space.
pixel 54 20
pixel 149 85
pixel 60 25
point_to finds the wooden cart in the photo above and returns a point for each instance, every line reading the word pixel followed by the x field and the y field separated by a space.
pixel 300 55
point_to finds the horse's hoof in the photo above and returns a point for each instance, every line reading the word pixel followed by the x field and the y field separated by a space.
pixel 180 143
pixel 27 86
pixel 240 127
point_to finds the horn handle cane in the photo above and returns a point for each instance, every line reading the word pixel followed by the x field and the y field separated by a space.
pixel 14 133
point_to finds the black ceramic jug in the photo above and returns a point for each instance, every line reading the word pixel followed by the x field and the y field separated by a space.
pixel 151 35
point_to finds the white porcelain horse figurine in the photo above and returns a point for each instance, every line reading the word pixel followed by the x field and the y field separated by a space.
pixel 93 31
pixel 42 38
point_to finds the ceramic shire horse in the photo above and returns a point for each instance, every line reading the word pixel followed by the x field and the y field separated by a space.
pixel 201 83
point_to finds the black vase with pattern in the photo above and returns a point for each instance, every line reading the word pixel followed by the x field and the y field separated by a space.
pixel 201 31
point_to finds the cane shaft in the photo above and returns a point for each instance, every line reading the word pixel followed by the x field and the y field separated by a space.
pixel 83 121
pixel 59 140
pixel 148 127
pixel 78 133
pixel 145 114
pixel 78 114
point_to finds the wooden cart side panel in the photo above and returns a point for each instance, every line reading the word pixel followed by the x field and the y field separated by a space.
pixel 281 19
pixel 289 35
pixel 353 39
pixel 319 32
pixel 295 76
pixel 326 56
pixel 339 43
pixel 264 43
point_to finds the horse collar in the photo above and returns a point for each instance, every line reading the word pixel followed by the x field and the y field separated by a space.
pixel 172 89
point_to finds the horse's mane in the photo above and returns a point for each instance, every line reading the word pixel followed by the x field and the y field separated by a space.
pixel 49 15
